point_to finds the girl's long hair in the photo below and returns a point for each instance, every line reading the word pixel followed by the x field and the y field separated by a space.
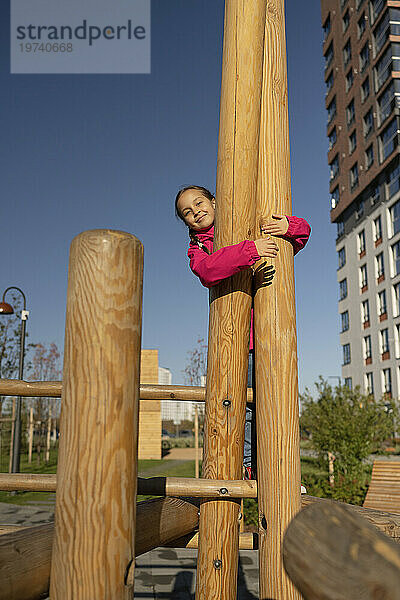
pixel 207 194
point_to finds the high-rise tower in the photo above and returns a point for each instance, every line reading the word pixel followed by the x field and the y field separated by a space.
pixel 362 73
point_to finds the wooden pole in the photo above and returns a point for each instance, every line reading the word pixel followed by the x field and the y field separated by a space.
pixel 228 348
pixel 47 457
pixel 12 434
pixel 332 553
pixel 30 438
pixel 97 465
pixel 196 441
pixel 278 446
pixel 53 389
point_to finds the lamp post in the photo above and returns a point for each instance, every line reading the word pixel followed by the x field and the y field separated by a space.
pixel 7 309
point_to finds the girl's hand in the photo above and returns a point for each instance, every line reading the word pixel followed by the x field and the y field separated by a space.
pixel 266 247
pixel 279 226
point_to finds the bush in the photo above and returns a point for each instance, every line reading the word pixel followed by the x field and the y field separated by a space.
pixel 351 426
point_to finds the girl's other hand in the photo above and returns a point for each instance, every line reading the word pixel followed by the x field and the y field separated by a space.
pixel 278 226
pixel 266 247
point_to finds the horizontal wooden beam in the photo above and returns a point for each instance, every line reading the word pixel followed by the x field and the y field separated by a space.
pixel 330 552
pixel 52 389
pixel 247 541
pixel 154 486
pixel 197 488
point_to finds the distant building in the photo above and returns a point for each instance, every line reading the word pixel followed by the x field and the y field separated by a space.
pixel 362 75
pixel 176 411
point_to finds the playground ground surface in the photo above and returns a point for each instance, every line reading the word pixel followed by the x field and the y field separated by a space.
pixel 164 573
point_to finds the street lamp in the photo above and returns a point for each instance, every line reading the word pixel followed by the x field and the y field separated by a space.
pixel 7 309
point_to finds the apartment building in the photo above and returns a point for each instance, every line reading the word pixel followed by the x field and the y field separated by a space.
pixel 361 48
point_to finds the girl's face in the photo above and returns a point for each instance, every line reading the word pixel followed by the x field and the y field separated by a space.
pixel 197 211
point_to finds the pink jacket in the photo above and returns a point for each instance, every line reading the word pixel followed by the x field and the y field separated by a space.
pixel 227 261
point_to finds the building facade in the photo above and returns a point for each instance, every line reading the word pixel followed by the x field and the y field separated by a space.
pixel 361 48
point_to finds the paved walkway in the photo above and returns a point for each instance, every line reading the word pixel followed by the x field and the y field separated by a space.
pixel 164 573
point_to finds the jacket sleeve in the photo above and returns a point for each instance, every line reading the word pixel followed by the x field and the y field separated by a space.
pixel 298 233
pixel 227 261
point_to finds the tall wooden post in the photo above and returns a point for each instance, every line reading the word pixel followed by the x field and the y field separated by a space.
pixel 30 438
pixel 229 327
pixel 196 441
pixel 97 466
pixel 278 462
pixel 48 434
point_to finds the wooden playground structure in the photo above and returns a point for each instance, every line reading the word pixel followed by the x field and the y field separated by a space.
pixel 89 552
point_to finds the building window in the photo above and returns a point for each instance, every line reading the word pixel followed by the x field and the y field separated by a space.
pixel 363 277
pixel 332 138
pixel 386 104
pixel 388 140
pixel 348 382
pixel 361 25
pixel 354 176
pixel 384 340
pixel 343 289
pixel 395 218
pixel 393 182
pixel 360 209
pixel 381 34
pixel 396 259
pixel 329 56
pixel 349 80
pixel 365 312
pixel 394 14
pixel 365 89
pixel 396 303
pixel 383 69
pixel 347 53
pixel 327 27
pixel 350 113
pixel 331 110
pixel 352 142
pixel 369 383
pixel 397 340
pixel 369 156
pixel 335 197
pixel 346 354
pixel 368 122
pixel 380 267
pixel 334 167
pixel 361 242
pixel 382 306
pixel 375 194
pixel 376 8
pixel 377 229
pixel 367 347
pixel 387 381
pixel 329 82
pixel 342 257
pixel 345 320
pixel 364 57
pixel 340 229
pixel 346 20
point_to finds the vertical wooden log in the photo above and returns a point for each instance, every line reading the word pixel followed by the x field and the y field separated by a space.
pixel 229 326
pixel 48 435
pixel 12 434
pixel 196 441
pixel 30 434
pixel 97 465
pixel 278 450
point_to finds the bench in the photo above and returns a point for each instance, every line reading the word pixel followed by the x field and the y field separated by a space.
pixel 384 489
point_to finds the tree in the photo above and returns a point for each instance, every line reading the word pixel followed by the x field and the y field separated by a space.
pixel 196 367
pixel 350 425
pixel 45 367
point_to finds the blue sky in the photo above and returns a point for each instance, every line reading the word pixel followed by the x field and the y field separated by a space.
pixel 82 152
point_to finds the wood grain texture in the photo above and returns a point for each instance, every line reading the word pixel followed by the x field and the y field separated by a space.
pixel 331 553
pixel 197 488
pixel 278 462
pixel 25 563
pixel 384 489
pixel 52 389
pixel 247 541
pixel 231 300
pixel 97 463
